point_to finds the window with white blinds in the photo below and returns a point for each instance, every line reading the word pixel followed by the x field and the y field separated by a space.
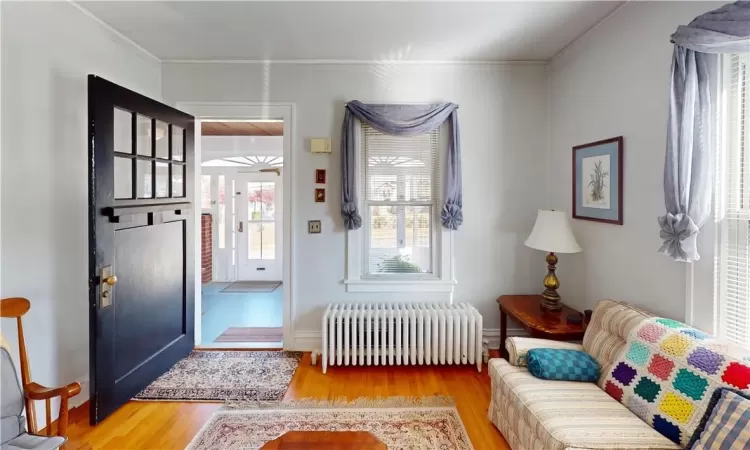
pixel 733 204
pixel 400 191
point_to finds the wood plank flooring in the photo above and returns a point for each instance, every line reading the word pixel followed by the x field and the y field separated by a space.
pixel 171 425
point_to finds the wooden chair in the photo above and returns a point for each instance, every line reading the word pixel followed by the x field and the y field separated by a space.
pixel 15 308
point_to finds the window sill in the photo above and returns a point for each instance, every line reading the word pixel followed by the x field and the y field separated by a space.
pixel 424 286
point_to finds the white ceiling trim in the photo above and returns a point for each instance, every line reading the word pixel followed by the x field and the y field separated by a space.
pixel 109 28
pixel 353 62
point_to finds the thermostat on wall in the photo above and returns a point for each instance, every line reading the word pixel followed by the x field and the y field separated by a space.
pixel 320 145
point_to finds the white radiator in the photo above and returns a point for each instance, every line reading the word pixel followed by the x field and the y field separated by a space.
pixel 401 334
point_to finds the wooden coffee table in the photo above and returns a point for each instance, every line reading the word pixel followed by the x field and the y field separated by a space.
pixel 538 322
pixel 325 440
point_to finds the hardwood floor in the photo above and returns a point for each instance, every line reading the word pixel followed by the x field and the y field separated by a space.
pixel 168 425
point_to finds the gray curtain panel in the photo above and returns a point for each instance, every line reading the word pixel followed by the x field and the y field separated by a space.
pixel 400 120
pixel 688 167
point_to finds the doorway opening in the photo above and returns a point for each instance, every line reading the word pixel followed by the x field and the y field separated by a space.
pixel 242 224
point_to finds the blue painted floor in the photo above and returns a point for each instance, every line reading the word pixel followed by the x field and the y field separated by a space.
pixel 221 310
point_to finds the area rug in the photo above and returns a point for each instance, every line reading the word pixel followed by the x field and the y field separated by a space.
pixel 251 334
pixel 252 286
pixel 225 375
pixel 401 423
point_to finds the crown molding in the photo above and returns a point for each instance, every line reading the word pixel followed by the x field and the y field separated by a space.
pixel 109 28
pixel 355 62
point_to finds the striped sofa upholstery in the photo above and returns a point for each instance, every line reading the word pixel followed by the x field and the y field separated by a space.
pixel 535 414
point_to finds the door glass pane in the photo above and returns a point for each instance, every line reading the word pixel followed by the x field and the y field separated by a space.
pixel 143 137
pixel 123 177
pixel 178 180
pixel 143 179
pixel 268 241
pixel 261 200
pixel 222 212
pixel 123 131
pixel 162 179
pixel 178 143
pixel 162 140
pixel 254 241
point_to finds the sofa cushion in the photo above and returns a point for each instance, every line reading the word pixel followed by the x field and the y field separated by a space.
pixel 726 423
pixel 562 365
pixel 565 414
pixel 610 326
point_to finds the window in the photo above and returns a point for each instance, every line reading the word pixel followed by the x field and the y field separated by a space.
pixel 261 226
pixel 399 247
pixel 399 180
pixel 733 205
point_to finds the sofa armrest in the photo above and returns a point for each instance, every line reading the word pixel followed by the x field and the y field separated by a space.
pixel 518 347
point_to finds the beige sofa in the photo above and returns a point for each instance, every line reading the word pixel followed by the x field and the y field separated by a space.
pixel 565 415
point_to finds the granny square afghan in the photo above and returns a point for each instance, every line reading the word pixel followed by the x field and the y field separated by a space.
pixel 667 372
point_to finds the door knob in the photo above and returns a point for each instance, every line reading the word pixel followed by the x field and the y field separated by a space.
pixel 240 228
pixel 111 280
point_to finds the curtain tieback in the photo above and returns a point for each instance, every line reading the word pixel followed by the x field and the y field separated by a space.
pixel 680 235
pixel 451 216
pixel 352 219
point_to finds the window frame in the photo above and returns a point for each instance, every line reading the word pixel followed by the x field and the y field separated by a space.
pixel 441 280
pixel 725 148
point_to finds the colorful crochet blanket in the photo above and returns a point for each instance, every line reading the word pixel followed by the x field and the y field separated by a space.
pixel 668 371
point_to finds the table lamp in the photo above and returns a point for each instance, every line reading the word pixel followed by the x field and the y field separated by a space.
pixel 552 233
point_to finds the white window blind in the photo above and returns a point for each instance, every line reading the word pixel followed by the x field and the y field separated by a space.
pixel 734 203
pixel 400 177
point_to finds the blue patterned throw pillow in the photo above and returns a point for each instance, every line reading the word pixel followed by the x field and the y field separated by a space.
pixel 562 364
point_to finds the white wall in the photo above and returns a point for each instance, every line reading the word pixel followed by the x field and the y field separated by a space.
pixel 503 133
pixel 614 81
pixel 48 49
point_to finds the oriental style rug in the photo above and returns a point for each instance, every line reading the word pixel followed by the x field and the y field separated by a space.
pixel 401 423
pixel 206 376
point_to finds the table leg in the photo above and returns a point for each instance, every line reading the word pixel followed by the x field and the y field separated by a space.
pixel 503 334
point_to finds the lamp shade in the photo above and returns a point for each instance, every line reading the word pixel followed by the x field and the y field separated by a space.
pixel 552 233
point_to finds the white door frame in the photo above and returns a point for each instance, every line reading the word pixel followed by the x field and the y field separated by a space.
pixel 256 111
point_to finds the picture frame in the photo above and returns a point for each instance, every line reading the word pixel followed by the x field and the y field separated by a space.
pixel 320 176
pixel 598 181
pixel 320 195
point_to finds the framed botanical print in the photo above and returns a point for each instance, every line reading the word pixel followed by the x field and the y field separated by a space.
pixel 597 181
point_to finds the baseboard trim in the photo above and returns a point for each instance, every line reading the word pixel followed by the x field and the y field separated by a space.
pixel 307 341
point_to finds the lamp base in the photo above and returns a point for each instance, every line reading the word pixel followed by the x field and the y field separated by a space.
pixel 550 297
pixel 551 300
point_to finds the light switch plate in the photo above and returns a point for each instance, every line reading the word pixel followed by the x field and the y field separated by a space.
pixel 313 226
pixel 320 145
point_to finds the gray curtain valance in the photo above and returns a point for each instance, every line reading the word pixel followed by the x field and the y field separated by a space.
pixel 688 167
pixel 401 120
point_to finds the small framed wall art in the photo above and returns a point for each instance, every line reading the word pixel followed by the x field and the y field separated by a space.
pixel 320 195
pixel 320 176
pixel 597 181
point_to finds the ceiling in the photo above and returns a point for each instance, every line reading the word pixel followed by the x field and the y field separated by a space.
pixel 280 30
pixel 242 128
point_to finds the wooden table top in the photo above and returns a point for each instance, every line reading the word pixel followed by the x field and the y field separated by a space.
pixel 325 440
pixel 539 322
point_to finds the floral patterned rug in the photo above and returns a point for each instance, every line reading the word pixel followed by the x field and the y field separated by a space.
pixel 225 376
pixel 399 422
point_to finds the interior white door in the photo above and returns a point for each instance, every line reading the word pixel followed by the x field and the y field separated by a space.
pixel 259 226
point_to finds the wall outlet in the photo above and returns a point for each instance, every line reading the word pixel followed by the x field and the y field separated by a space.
pixel 313 226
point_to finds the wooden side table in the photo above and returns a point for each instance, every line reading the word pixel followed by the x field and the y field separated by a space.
pixel 538 322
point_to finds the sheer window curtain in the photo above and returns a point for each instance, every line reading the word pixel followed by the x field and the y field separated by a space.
pixel 688 167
